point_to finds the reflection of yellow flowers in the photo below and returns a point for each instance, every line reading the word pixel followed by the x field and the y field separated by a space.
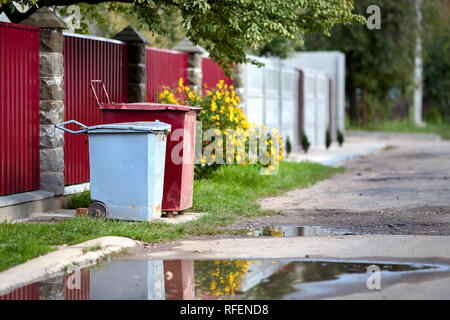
pixel 273 232
pixel 222 278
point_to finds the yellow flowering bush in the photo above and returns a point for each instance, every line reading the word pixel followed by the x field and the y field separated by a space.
pixel 221 111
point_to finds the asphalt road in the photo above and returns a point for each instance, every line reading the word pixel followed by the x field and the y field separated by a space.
pixel 403 189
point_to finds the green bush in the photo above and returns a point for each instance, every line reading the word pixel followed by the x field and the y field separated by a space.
pixel 433 115
pixel 340 138
pixel 80 200
pixel 305 142
pixel 327 139
pixel 288 146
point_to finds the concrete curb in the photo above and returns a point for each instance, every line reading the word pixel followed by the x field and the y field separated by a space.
pixel 393 248
pixel 66 258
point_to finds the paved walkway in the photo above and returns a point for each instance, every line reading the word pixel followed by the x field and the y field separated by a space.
pixel 352 147
pixel 403 189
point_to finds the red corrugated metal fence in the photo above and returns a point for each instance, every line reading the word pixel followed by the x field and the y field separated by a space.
pixel 213 73
pixel 164 67
pixel 85 59
pixel 19 113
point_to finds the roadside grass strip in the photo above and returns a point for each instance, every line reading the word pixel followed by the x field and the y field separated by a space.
pixel 231 192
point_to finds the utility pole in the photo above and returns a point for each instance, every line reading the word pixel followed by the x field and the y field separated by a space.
pixel 418 68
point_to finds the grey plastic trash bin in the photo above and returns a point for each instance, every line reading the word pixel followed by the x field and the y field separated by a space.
pixel 126 168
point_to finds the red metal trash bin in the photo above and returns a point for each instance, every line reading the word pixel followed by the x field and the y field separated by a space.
pixel 179 167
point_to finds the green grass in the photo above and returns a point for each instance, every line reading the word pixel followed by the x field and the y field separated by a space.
pixel 92 248
pixel 443 129
pixel 231 192
pixel 389 147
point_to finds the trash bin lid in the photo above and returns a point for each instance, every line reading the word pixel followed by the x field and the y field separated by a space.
pixel 131 127
pixel 148 106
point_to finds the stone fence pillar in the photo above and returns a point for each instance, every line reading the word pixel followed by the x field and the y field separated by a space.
pixel 51 99
pixel 194 63
pixel 137 73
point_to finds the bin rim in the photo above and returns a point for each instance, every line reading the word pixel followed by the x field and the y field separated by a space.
pixel 131 127
pixel 148 106
pixel 122 127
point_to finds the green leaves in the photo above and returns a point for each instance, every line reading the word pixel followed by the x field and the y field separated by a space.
pixel 226 28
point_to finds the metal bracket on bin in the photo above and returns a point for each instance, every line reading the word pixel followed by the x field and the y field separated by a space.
pixel 61 126
pixel 91 83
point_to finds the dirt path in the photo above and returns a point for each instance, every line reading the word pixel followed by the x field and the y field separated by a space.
pixel 403 189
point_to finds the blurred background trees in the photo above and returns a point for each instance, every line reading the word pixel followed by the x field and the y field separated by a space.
pixel 436 43
pixel 380 63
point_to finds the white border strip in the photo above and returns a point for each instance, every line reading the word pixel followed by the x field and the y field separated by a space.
pixel 76 188
pixel 76 35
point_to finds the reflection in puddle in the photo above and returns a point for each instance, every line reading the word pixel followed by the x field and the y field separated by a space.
pixel 210 279
pixel 292 231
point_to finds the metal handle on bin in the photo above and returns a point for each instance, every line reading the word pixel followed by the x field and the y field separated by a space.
pixel 95 93
pixel 61 126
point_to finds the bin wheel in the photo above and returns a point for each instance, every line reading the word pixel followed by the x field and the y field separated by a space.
pixel 169 214
pixel 181 212
pixel 98 210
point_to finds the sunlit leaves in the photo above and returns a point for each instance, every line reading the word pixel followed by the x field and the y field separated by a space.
pixel 227 28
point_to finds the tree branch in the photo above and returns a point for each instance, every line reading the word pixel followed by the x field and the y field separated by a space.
pixel 17 17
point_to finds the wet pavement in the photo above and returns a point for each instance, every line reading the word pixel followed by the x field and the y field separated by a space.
pixel 234 279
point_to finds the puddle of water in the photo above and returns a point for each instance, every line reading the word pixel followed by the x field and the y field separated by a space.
pixel 292 231
pixel 211 279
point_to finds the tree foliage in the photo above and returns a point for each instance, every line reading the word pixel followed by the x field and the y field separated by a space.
pixel 377 60
pixel 226 28
pixel 436 66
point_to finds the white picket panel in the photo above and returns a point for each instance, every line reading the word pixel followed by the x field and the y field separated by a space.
pixel 289 104
pixel 254 91
pixel 321 109
pixel 271 94
pixel 309 106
